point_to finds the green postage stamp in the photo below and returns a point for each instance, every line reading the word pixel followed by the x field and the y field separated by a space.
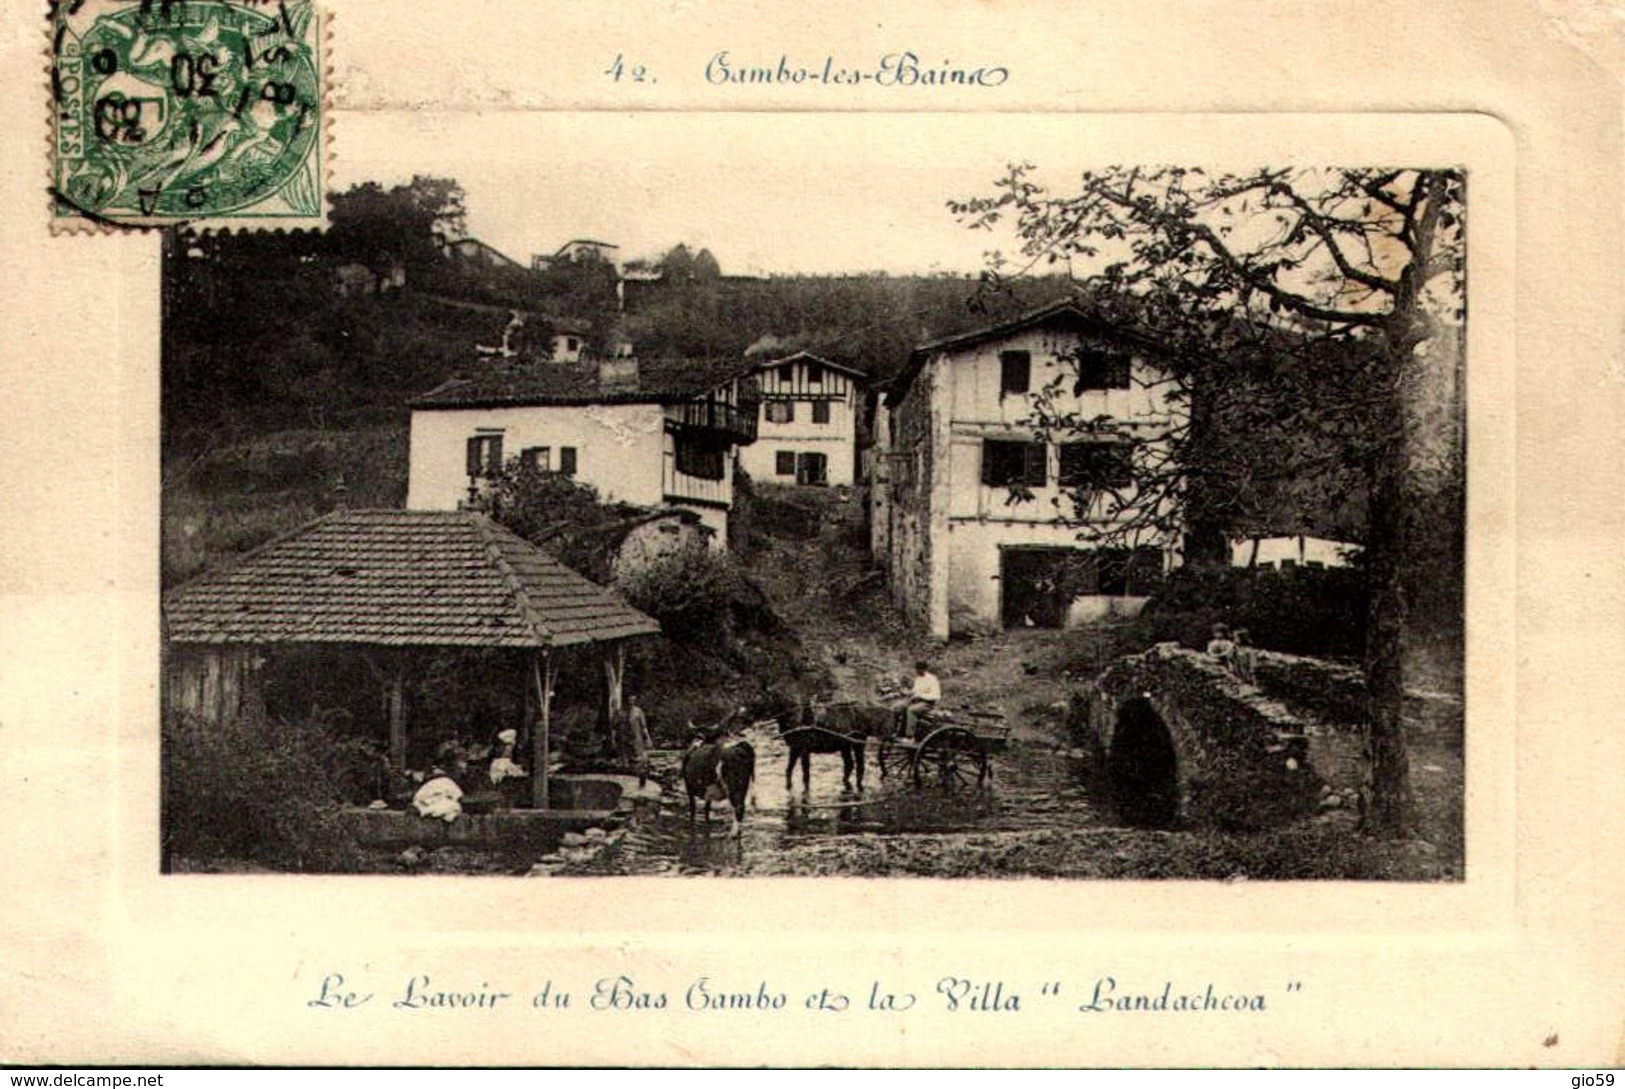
pixel 197 112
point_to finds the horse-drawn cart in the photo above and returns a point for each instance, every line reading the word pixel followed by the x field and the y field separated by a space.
pixel 954 749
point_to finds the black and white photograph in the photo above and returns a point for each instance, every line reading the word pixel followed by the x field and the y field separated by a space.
pixel 687 496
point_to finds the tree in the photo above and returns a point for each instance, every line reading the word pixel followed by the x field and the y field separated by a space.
pixel 376 226
pixel 1333 298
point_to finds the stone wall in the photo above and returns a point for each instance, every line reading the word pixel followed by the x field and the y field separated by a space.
pixel 1334 695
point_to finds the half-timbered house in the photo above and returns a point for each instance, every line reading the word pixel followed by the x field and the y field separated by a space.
pixel 970 510
pixel 807 433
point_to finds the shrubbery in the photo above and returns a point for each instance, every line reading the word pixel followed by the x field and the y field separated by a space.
pixel 692 592
pixel 265 792
pixel 1314 611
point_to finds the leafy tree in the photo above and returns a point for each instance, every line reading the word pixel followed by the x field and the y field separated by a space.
pixel 1332 299
pixel 554 512
pixel 375 226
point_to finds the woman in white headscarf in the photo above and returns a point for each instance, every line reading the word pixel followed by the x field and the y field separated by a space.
pixel 503 767
pixel 439 798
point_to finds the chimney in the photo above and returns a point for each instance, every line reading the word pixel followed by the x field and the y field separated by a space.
pixel 618 374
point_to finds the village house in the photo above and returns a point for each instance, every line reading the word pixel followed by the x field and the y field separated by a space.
pixel 807 433
pixel 955 443
pixel 473 251
pixel 650 433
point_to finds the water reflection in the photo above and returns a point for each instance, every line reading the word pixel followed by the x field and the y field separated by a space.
pixel 1032 789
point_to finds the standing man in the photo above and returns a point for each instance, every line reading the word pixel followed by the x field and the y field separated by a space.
pixel 638 726
pixel 923 697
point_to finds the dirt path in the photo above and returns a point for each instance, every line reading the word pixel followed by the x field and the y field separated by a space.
pixel 824 587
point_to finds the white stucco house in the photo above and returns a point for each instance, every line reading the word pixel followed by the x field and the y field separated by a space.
pixel 807 431
pixel 1299 550
pixel 953 436
pixel 650 433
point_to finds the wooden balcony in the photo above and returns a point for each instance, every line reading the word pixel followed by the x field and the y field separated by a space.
pixel 736 423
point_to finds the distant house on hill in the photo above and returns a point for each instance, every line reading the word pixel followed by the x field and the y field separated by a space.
pixel 577 249
pixel 355 278
pixel 953 441
pixel 473 251
pixel 569 339
pixel 653 433
pixel 807 433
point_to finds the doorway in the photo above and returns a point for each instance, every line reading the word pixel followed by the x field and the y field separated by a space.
pixel 1034 581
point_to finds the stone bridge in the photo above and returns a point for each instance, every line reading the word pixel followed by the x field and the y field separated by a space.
pixel 1173 735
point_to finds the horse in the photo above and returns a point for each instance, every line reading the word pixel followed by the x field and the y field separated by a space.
pixel 836 728
pixel 734 763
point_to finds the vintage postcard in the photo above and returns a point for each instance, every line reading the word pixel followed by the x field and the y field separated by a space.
pixel 738 545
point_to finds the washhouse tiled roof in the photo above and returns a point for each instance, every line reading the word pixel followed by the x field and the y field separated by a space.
pixel 400 578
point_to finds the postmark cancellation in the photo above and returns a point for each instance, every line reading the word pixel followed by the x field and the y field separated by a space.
pixel 187 112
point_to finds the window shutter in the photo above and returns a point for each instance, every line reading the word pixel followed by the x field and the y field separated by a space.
pixel 1120 465
pixel 494 454
pixel 990 475
pixel 1118 374
pixel 1035 472
pixel 474 457
pixel 820 412
pixel 1015 372
pixel 785 463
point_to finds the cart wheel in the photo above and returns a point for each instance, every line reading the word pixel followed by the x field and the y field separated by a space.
pixel 951 758
pixel 895 757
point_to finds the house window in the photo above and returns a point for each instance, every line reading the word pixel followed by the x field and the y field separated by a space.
pixel 787 372
pixel 820 412
pixel 815 374
pixel 536 458
pixel 567 460
pixel 571 344
pixel 784 463
pixel 1098 369
pixel 1015 372
pixel 484 455
pixel 781 412
pixel 1090 465
pixel 696 457
pixel 1005 464
pixel 1123 571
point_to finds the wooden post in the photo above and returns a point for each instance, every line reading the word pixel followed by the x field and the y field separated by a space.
pixel 543 673
pixel 397 714
pixel 614 674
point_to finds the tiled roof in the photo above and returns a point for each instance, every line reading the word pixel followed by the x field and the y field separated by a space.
pixel 809 357
pixel 1063 311
pixel 400 578
pixel 659 381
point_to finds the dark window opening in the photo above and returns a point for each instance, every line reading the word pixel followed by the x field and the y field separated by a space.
pixel 1099 369
pixel 812 469
pixel 536 458
pixel 567 460
pixel 787 372
pixel 1089 465
pixel 815 374
pixel 820 412
pixel 1122 572
pixel 484 455
pixel 699 458
pixel 1015 372
pixel 784 463
pixel 1006 464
